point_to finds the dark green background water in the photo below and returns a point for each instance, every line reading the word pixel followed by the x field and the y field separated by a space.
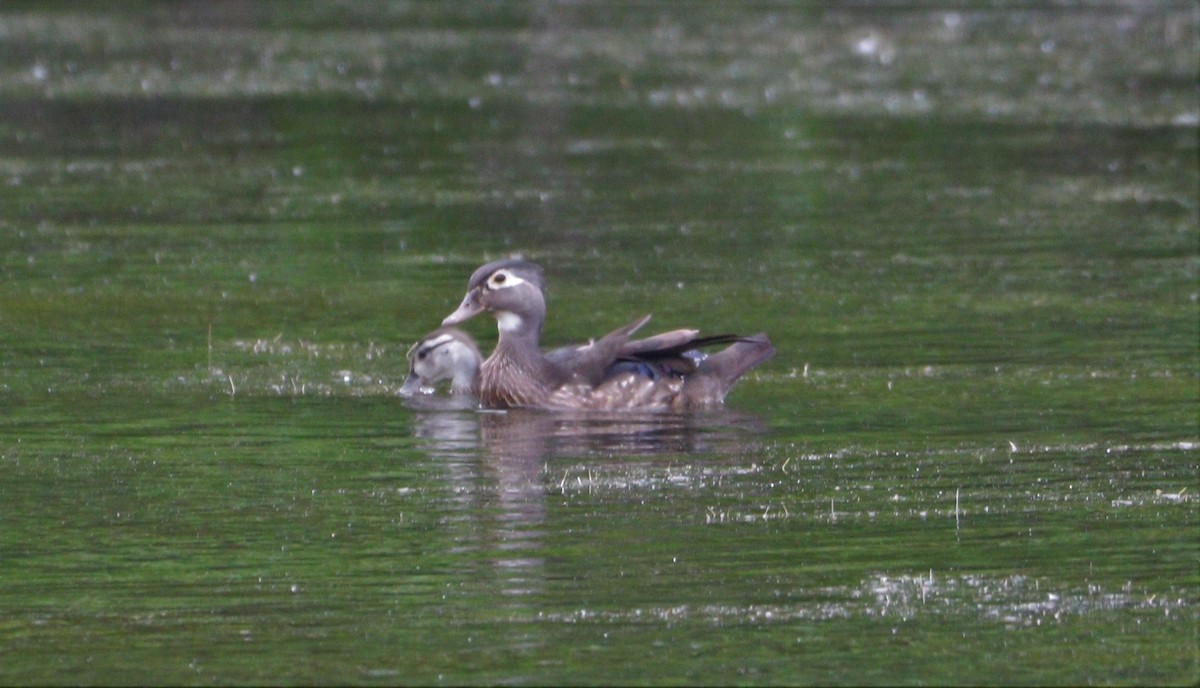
pixel 971 232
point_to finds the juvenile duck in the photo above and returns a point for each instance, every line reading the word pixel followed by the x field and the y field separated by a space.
pixel 447 353
pixel 597 375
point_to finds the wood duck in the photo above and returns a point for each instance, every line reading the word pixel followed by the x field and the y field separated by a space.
pixel 447 353
pixel 610 373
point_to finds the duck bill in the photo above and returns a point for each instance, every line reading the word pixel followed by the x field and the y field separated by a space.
pixel 412 385
pixel 470 308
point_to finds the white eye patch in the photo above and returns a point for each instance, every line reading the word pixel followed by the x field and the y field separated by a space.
pixel 503 279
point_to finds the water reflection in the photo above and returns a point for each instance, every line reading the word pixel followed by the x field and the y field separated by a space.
pixel 447 423
pixel 452 427
pixel 501 465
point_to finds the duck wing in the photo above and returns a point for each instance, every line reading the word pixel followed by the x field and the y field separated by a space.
pixel 629 389
pixel 673 343
pixel 589 363
pixel 671 353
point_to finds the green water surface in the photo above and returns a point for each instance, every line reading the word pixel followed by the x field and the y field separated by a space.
pixel 971 232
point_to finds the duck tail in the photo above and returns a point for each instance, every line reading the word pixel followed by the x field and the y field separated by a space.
pixel 717 373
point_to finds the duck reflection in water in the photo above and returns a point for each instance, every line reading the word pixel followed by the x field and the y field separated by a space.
pixel 502 466
pixel 498 496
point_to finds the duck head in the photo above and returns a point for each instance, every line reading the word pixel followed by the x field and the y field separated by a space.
pixel 511 290
pixel 444 354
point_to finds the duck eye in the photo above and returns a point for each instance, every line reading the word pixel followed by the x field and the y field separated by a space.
pixel 502 279
pixel 421 355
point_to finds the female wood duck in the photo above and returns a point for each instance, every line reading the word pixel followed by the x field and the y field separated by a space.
pixel 447 353
pixel 610 373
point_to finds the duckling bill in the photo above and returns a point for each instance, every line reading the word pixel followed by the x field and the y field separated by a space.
pixel 591 376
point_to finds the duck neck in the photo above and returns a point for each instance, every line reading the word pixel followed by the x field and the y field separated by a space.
pixel 465 381
pixel 519 333
pixel 517 348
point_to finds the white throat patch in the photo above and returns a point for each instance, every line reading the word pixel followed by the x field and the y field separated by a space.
pixel 508 321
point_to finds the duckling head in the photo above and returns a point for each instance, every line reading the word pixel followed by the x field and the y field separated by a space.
pixel 444 354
